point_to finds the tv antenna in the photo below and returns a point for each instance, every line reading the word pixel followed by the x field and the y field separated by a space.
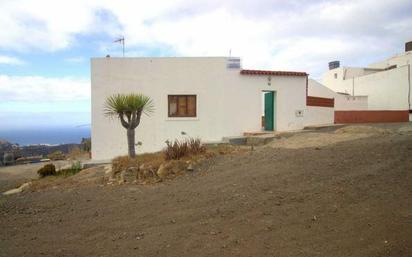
pixel 121 41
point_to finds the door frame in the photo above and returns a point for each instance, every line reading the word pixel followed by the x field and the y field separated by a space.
pixel 274 106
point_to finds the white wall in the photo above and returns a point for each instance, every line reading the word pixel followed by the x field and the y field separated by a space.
pixel 316 115
pixel 386 90
pixel 317 89
pixel 344 75
pixel 228 103
pixel 350 103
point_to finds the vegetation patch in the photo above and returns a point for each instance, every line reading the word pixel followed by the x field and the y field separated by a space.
pixel 178 149
pixel 74 169
pixel 176 159
pixel 47 170
pixel 50 170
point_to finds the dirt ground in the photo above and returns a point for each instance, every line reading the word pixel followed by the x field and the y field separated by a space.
pixel 320 193
pixel 14 176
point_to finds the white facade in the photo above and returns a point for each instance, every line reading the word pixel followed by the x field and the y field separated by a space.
pixel 228 103
pixel 386 84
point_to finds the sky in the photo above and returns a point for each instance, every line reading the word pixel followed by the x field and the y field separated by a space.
pixel 46 45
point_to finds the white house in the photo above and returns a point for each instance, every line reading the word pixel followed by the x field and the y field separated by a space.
pixel 385 84
pixel 205 97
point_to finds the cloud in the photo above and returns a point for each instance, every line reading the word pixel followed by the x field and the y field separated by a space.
pixel 42 89
pixel 270 34
pixel 78 59
pixel 48 25
pixel 10 60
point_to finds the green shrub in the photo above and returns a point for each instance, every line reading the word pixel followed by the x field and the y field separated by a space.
pixel 56 156
pixel 76 166
pixel 74 169
pixel 178 149
pixel 47 170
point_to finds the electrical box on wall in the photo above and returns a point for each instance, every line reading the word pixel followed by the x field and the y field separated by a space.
pixel 299 113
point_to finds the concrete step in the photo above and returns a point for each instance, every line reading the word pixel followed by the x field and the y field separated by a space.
pixel 239 140
pixel 261 139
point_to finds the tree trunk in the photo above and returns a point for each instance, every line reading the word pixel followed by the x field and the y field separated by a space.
pixel 131 143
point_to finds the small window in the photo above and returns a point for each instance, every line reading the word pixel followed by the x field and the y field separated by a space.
pixel 182 105
pixel 336 75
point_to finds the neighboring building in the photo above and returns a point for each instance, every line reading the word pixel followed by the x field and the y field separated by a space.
pixel 386 84
pixel 324 103
pixel 205 97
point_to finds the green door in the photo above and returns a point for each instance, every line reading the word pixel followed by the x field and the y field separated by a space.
pixel 269 111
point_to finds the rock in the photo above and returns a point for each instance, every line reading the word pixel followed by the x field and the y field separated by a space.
pixel 20 189
pixel 107 169
pixel 12 191
pixel 139 236
pixel 162 172
pixel 189 167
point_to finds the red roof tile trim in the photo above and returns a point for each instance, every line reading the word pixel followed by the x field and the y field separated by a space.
pixel 273 73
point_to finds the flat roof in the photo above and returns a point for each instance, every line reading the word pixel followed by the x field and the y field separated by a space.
pixel 273 73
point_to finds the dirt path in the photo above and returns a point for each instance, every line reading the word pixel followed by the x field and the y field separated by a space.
pixel 349 198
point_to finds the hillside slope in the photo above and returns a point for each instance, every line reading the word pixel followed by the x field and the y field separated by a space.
pixel 350 198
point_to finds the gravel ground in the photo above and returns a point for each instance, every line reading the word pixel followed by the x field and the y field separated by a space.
pixel 349 197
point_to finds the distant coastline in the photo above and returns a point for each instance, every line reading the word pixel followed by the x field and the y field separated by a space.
pixel 46 136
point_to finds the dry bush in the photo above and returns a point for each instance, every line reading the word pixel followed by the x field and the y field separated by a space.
pixel 47 170
pixel 195 146
pixel 178 149
pixel 122 163
pixel 76 153
pixel 153 159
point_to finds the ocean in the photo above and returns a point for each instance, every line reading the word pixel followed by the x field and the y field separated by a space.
pixel 51 136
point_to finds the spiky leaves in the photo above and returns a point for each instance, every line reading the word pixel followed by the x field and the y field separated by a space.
pixel 129 109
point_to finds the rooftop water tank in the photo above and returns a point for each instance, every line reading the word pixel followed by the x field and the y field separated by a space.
pixel 408 46
pixel 334 65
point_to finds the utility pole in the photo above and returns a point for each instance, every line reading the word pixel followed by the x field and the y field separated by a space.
pixel 121 41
